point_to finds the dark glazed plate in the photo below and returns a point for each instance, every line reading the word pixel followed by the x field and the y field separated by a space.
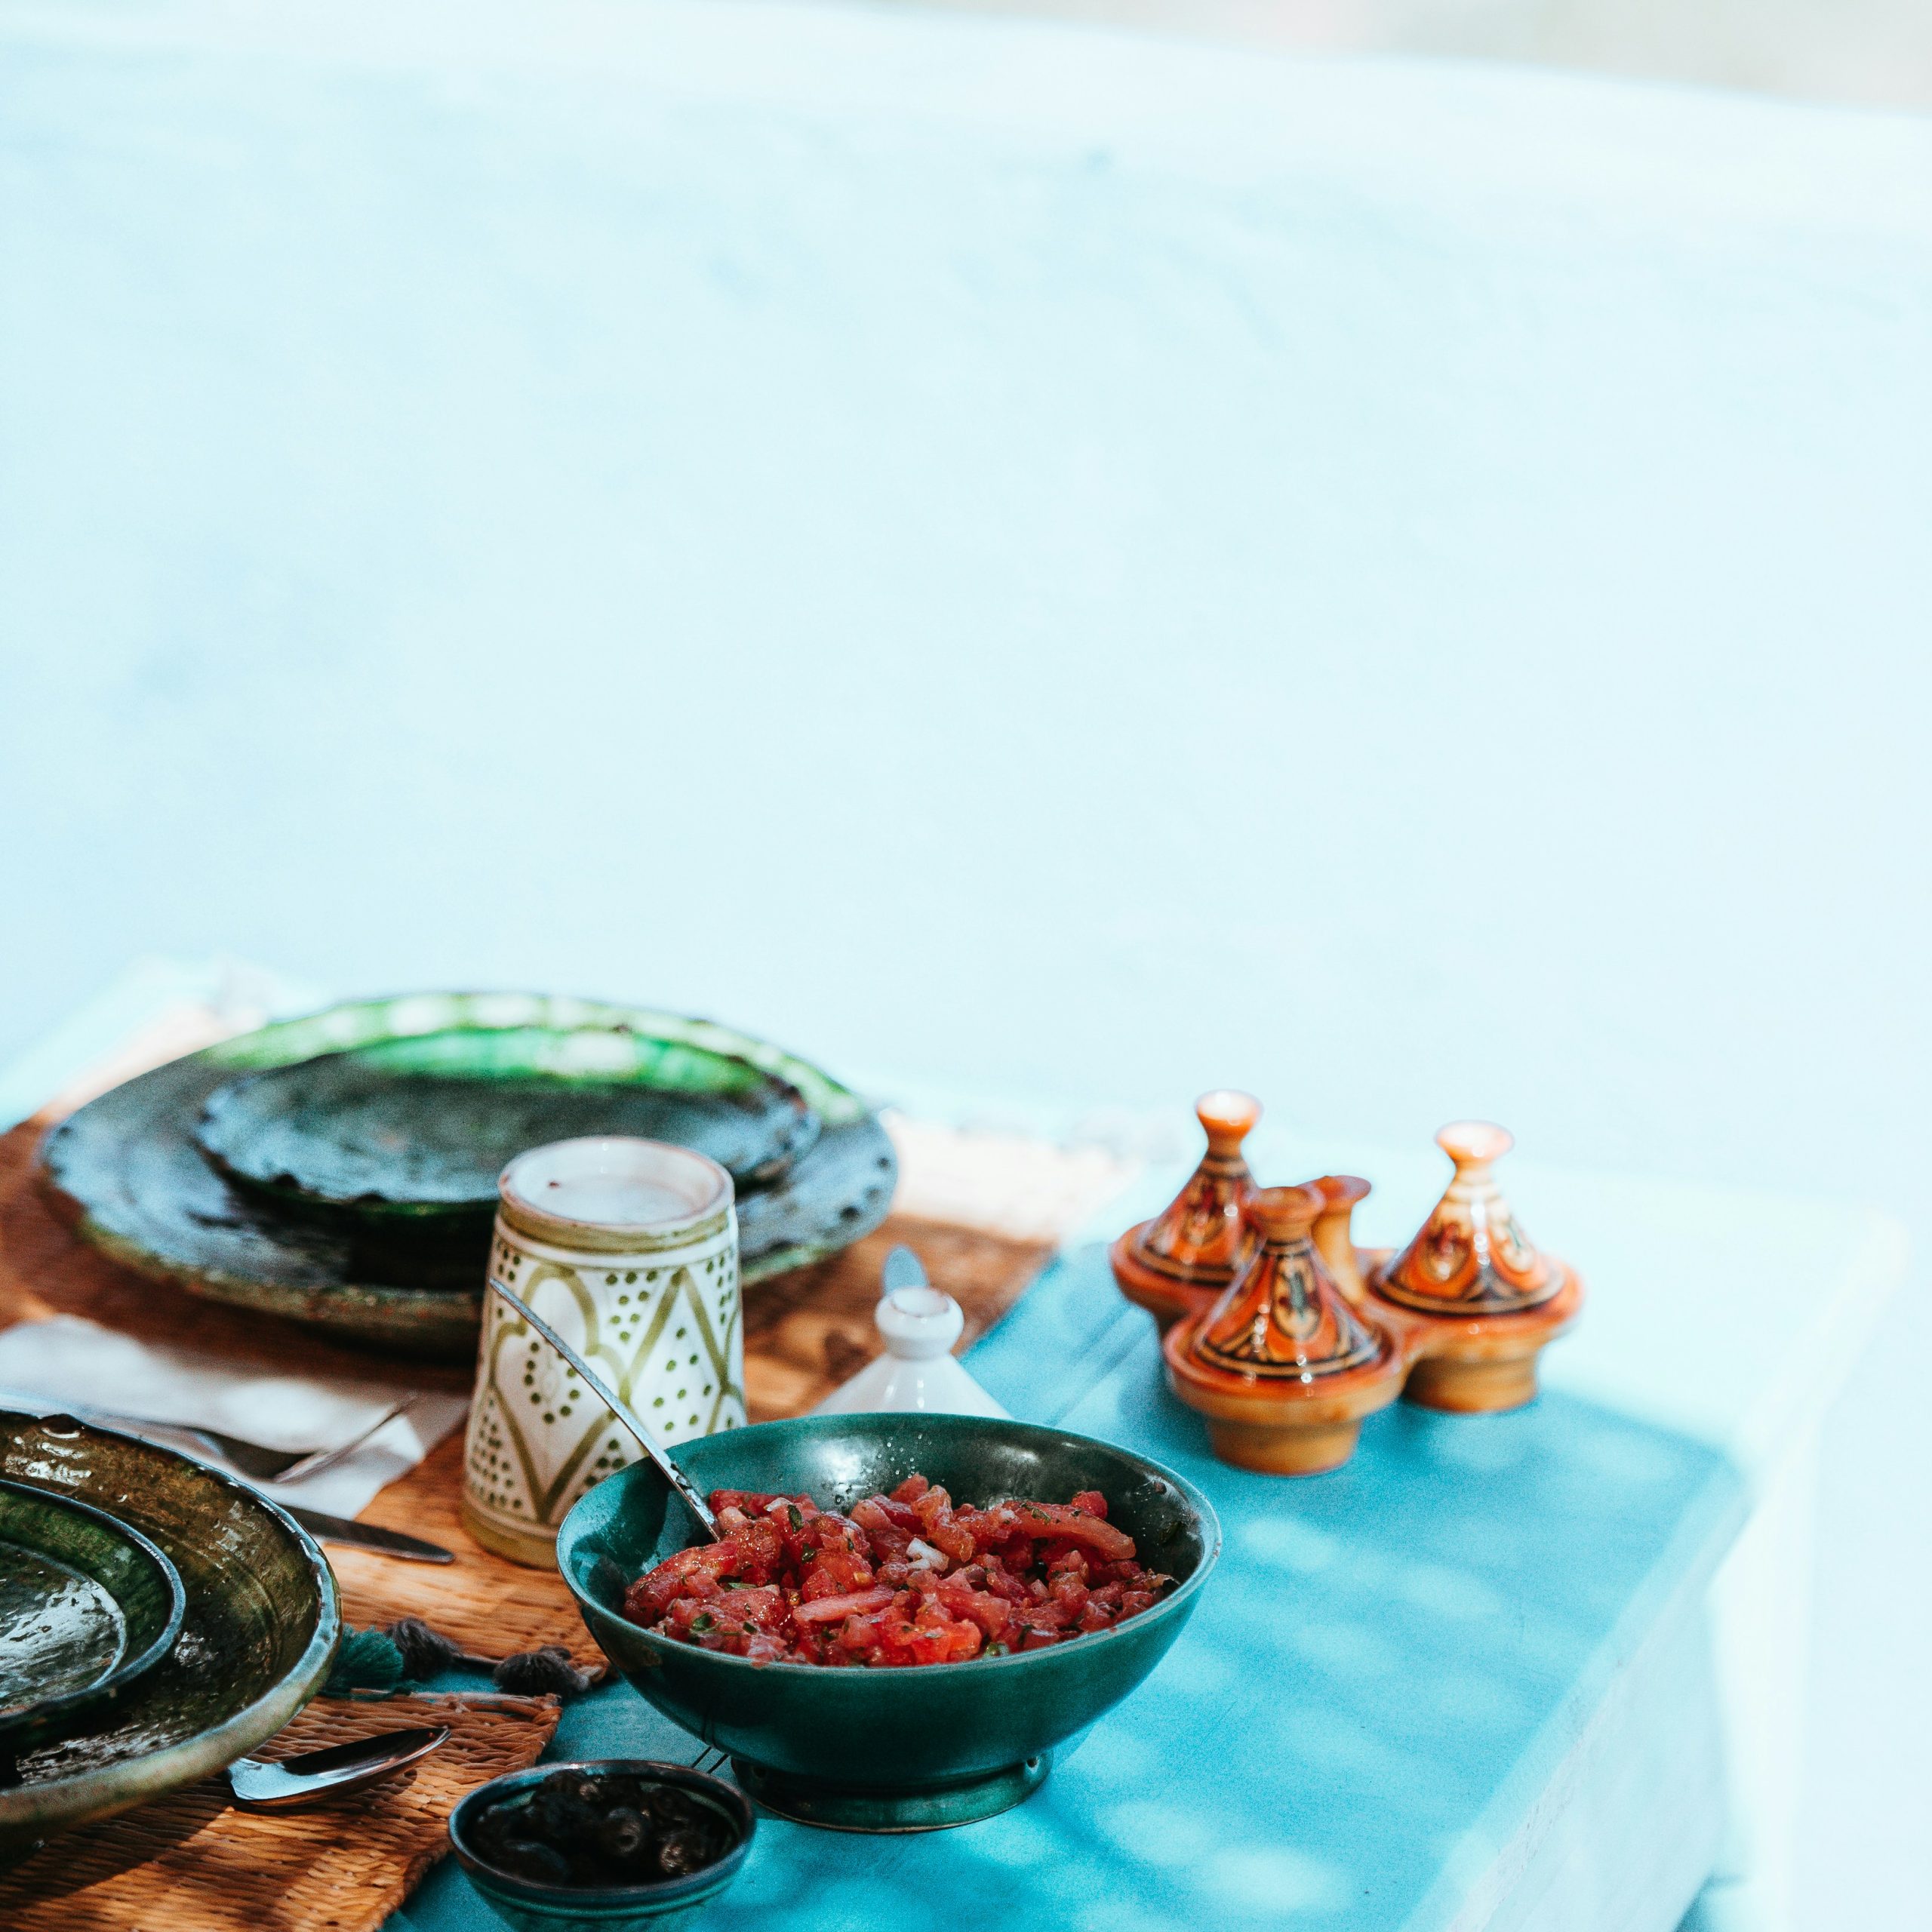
pixel 87 1606
pixel 258 1627
pixel 127 1168
pixel 416 1130
pixel 904 1750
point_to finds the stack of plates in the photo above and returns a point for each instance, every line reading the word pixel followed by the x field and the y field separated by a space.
pixel 341 1170
pixel 88 1607
pixel 158 1619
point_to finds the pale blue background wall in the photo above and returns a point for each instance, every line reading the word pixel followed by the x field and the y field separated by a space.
pixel 1023 560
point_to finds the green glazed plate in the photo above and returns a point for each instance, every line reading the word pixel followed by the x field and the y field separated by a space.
pixel 87 1606
pixel 127 1170
pixel 414 1131
pixel 259 1627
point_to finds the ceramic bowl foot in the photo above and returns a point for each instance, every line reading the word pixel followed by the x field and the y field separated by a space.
pixel 1477 1387
pixel 1310 1450
pixel 836 1807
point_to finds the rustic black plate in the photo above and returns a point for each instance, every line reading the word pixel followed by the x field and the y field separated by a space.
pixel 413 1132
pixel 128 1171
pixel 258 1626
pixel 88 1605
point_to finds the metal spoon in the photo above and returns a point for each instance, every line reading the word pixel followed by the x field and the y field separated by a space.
pixel 619 1407
pixel 310 1777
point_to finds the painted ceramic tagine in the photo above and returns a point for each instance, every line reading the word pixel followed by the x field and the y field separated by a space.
pixel 1334 1235
pixel 1180 1262
pixel 1283 1366
pixel 1473 1302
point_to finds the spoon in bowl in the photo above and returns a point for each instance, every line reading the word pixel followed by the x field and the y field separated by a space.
pixel 619 1407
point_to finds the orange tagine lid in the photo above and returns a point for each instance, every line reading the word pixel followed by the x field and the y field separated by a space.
pixel 1471 1258
pixel 1283 1320
pixel 1200 1239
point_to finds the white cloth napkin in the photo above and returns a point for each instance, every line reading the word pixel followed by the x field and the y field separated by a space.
pixel 66 1363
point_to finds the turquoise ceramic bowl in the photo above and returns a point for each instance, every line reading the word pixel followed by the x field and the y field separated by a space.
pixel 531 1907
pixel 889 1750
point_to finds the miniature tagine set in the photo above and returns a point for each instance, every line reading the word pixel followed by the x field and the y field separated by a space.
pixel 1284 1334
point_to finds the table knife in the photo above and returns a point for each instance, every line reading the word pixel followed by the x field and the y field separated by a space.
pixel 369 1535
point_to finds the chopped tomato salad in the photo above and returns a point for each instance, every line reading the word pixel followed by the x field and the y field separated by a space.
pixel 905 1578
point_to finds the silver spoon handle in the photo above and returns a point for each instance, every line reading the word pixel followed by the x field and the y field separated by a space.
pixel 619 1407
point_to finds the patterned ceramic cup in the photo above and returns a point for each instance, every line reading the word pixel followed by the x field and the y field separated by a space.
pixel 628 1249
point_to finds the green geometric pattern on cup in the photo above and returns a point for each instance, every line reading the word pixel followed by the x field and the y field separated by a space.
pixel 663 1337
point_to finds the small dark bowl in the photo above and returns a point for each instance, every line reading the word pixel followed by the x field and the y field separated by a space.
pixel 894 1750
pixel 536 1908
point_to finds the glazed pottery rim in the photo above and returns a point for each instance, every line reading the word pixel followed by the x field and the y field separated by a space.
pixel 105 1790
pixel 526 1214
pixel 498 1010
pixel 89 1188
pixel 1295 1208
pixel 390 1213
pixel 659 1892
pixel 1342 1190
pixel 127 1670
pixel 1206 1520
pixel 1476 1141
pixel 1229 1108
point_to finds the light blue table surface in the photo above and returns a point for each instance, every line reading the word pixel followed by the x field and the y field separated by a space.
pixel 1387 1669
pixel 1055 565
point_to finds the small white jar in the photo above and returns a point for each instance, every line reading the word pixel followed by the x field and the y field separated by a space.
pixel 629 1249
pixel 917 1372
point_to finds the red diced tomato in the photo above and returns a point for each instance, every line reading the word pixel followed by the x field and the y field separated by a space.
pixel 649 1597
pixel 906 1579
pixel 832 1610
pixel 1042 1520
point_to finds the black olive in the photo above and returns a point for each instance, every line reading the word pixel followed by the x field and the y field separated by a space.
pixel 666 1805
pixel 541 1864
pixel 622 1833
pixel 560 1814
pixel 681 1851
pixel 501 1822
